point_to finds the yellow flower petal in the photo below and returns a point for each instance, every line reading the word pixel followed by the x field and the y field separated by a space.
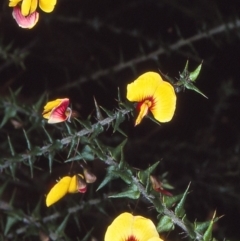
pixel 33 7
pixel 143 87
pixel 65 185
pixel 25 7
pixel 13 3
pixel 50 105
pixel 128 227
pixel 59 190
pixel 165 102
pixel 47 5
pixel 155 95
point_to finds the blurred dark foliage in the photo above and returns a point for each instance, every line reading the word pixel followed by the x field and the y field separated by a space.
pixel 89 48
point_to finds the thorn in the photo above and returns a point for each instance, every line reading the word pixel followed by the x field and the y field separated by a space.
pixel 98 111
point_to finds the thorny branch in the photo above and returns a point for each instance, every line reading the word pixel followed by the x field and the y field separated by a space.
pixel 154 55
pixel 24 157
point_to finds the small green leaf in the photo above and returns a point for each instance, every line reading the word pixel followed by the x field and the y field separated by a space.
pixel 11 147
pixel 50 161
pixel 48 135
pixel 201 227
pixel 98 128
pixel 179 210
pixel 208 233
pixel 100 145
pixel 15 94
pixel 123 165
pixel 122 132
pixel 62 226
pixel 187 79
pixel 119 119
pixel 125 175
pixel 30 163
pixel 169 201
pixel 10 222
pixel 37 210
pixel 36 151
pixel 166 77
pixel 186 67
pixel 85 123
pixel 98 111
pixel 191 86
pixel 193 75
pixel 9 112
pixel 12 168
pixel 69 129
pixel 85 154
pixel 56 145
pixel 108 112
pixel 132 192
pixel 99 153
pixel 109 176
pixel 3 187
pixel 27 140
pixel 127 105
pixel 117 152
pixel 75 158
pixel 74 143
pixel 119 95
pixel 165 224
pixel 88 235
pixel 158 204
pixel 143 176
pixel 12 198
pixel 190 227
pixel 39 103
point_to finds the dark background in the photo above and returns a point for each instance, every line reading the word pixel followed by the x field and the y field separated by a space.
pixel 87 48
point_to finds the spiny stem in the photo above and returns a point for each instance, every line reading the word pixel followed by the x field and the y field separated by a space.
pixel 23 157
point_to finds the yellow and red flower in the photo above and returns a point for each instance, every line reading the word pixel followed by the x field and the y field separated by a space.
pixel 57 111
pixel 127 227
pixel 66 185
pixel 152 94
pixel 28 9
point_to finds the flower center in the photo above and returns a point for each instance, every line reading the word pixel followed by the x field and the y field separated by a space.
pixel 131 238
pixel 143 106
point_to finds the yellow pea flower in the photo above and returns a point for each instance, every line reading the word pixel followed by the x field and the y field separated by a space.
pixel 66 185
pixel 57 111
pixel 127 227
pixel 152 94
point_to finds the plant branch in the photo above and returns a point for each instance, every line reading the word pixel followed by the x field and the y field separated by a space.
pixel 153 55
pixel 163 209
pixel 47 148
